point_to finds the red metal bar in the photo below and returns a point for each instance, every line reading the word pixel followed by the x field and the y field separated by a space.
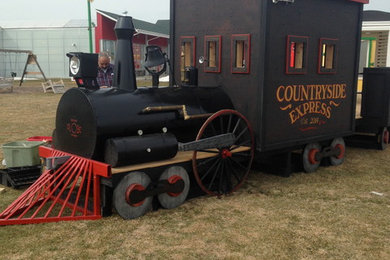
pixel 87 193
pixel 79 192
pixel 99 168
pixel 63 175
pixel 71 189
pixel 55 188
pixel 69 178
pixel 46 220
pixel 21 201
pixel 96 190
pixel 75 208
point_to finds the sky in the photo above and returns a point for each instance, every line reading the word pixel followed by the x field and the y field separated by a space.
pixel 147 10
pixel 51 10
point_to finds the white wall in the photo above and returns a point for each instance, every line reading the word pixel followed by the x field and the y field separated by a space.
pixel 50 46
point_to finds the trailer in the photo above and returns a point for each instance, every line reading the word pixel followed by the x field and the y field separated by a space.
pixel 372 127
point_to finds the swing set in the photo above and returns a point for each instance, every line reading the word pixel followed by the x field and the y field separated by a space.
pixel 31 60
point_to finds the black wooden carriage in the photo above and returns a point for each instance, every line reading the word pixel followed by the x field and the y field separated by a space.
pixel 374 121
pixel 290 67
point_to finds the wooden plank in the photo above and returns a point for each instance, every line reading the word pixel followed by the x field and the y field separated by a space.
pixel 187 54
pixel 329 56
pixel 240 54
pixel 212 54
pixel 16 51
pixel 179 158
pixel 33 73
pixel 299 54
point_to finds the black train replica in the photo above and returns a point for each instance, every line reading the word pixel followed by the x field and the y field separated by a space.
pixel 253 81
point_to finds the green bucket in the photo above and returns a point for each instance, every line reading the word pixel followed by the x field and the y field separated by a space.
pixel 21 153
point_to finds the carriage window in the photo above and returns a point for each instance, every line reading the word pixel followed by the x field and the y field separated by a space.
pixel 240 53
pixel 213 54
pixel 327 56
pixel 187 54
pixel 296 54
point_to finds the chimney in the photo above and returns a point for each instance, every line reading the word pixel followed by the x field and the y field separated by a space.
pixel 124 72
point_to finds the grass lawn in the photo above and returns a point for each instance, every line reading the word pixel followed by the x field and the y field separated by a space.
pixel 330 214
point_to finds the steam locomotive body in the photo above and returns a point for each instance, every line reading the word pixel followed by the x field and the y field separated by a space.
pixel 84 129
pixel 270 77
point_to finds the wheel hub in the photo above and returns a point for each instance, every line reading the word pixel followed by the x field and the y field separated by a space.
pixel 341 148
pixel 134 195
pixel 312 156
pixel 173 180
pixel 226 154
pixel 386 137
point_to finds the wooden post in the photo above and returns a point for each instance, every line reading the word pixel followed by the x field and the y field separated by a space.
pixel 31 59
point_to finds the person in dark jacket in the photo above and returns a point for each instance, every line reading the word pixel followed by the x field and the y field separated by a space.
pixel 105 71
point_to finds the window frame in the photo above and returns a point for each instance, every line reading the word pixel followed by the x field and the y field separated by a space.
pixel 247 43
pixel 218 58
pixel 329 41
pixel 297 39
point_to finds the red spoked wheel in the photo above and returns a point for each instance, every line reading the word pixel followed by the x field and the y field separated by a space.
pixel 226 168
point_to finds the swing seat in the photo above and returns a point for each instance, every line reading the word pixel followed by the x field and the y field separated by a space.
pixel 54 86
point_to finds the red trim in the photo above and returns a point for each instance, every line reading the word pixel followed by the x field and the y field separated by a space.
pixel 54 189
pixel 219 52
pixel 289 56
pixel 386 137
pixel 98 168
pixel 361 1
pixel 312 156
pixel 104 30
pixel 342 151
pixel 247 54
pixel 130 189
pixel 48 139
pixel 292 54
pixel 193 47
pixel 172 180
pixel 334 70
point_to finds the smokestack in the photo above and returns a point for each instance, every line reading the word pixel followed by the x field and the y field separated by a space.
pixel 124 72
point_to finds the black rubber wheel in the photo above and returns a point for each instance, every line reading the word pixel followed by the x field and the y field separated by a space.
pixel 339 144
pixel 227 169
pixel 310 164
pixel 173 174
pixel 383 138
pixel 128 186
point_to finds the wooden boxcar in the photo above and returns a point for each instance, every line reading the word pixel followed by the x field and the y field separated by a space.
pixel 289 66
pixel 374 119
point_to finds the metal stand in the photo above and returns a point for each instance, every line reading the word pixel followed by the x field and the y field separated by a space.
pixel 31 59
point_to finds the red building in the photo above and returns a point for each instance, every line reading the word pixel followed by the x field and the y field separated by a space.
pixel 146 34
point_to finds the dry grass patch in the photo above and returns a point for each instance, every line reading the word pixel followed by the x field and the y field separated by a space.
pixel 330 214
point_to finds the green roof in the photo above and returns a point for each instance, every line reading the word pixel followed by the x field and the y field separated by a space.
pixel 161 27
